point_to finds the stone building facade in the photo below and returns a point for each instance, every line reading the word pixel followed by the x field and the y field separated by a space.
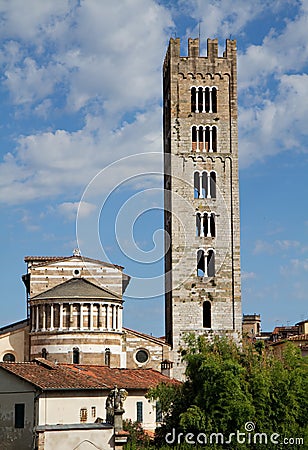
pixel 202 263
pixel 75 312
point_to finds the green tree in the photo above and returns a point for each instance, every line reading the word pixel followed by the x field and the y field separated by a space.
pixel 228 386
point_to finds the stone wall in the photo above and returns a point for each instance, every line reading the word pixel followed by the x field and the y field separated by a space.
pixel 186 290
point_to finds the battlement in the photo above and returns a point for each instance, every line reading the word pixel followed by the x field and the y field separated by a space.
pixel 194 49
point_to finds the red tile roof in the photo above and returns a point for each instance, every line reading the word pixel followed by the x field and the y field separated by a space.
pixel 50 376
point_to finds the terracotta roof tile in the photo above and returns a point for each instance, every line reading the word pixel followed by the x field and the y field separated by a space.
pixel 49 376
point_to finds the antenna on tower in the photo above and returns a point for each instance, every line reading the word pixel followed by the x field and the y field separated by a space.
pixel 199 29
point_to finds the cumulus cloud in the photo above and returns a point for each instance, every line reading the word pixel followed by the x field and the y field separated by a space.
pixel 98 51
pixel 69 209
pixel 48 164
pixel 273 88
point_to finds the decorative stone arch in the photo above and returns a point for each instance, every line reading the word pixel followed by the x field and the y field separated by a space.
pixel 190 76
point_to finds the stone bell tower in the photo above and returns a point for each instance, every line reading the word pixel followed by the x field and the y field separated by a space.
pixel 202 254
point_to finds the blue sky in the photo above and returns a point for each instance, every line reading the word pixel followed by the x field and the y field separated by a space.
pixel 80 89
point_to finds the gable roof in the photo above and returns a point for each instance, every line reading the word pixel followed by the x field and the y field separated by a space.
pixel 43 260
pixel 15 326
pixel 77 288
pixel 46 375
pixel 148 337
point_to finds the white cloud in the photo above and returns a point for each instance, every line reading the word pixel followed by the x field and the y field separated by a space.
pixel 98 51
pixel 69 209
pixel 52 163
pixel 273 88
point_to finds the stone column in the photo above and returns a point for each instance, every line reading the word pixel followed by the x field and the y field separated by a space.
pixel 203 101
pixel 107 317
pixel 197 100
pixel 81 316
pixel 209 225
pixel 120 318
pixel 37 317
pixel 71 321
pixel 61 317
pixel 208 185
pixel 51 316
pixel 91 316
pixel 44 317
pixel 100 316
pixel 200 185
pixel 210 100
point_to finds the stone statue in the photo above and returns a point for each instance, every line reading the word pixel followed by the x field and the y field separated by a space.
pixel 114 403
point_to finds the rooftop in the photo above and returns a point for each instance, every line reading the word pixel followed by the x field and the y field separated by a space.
pixel 46 375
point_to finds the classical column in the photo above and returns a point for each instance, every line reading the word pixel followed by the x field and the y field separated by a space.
pixel 71 321
pixel 117 317
pixel 201 225
pixel 51 316
pixel 197 137
pixel 203 101
pixel 210 99
pixel 44 317
pixel 209 225
pixel 91 316
pixel 211 139
pixel 197 100
pixel 208 185
pixel 81 315
pixel 37 318
pixel 100 316
pixel 200 185
pixel 107 317
pixel 120 318
pixel 61 317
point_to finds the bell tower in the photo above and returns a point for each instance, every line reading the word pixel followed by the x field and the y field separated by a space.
pixel 202 222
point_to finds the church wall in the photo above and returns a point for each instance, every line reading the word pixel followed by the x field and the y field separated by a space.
pixel 47 275
pixel 156 351
pixel 15 342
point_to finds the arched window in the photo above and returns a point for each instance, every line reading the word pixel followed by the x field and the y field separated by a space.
pixel 204 184
pixel 204 138
pixel 9 357
pixel 213 185
pixel 205 263
pixel 203 99
pixel 196 185
pixel 44 353
pixel 198 224
pixel 212 230
pixel 214 139
pixel 193 99
pixel 210 263
pixel 205 225
pixel 200 263
pixel 214 99
pixel 107 357
pixel 76 355
pixel 207 319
